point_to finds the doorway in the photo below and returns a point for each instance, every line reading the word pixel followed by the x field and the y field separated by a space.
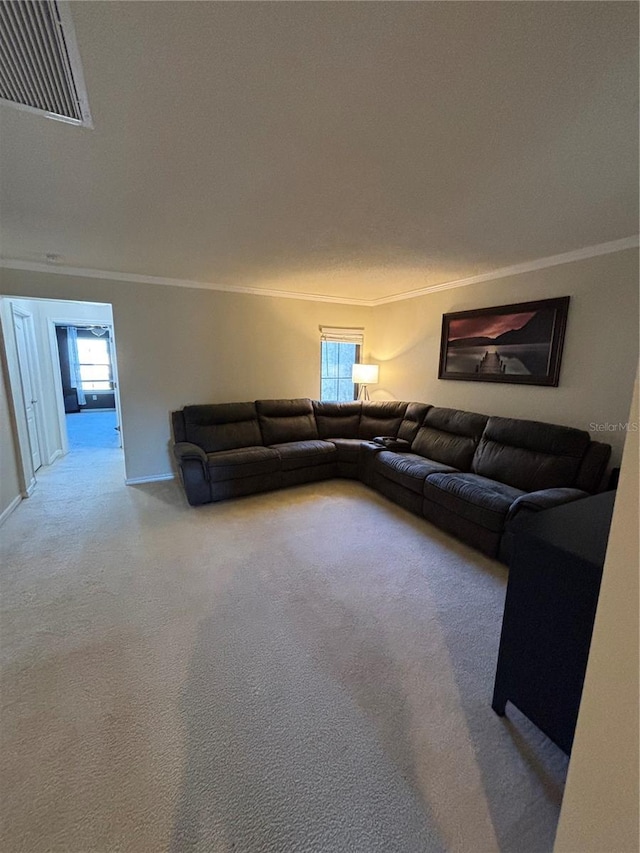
pixel 86 360
pixel 56 411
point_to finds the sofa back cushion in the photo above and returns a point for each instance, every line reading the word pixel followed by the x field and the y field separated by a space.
pixel 412 421
pixel 177 424
pixel 450 436
pixel 382 418
pixel 530 455
pixel 337 420
pixel 593 467
pixel 286 420
pixel 222 426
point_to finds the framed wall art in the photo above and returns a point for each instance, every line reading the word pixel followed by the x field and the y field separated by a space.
pixel 520 343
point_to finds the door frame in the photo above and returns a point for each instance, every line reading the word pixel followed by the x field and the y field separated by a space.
pixel 52 322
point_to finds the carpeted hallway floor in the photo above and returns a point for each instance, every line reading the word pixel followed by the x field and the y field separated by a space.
pixel 92 429
pixel 308 670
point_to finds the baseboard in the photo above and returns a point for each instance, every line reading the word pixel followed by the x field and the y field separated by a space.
pixel 7 512
pixel 55 455
pixel 155 478
pixel 29 490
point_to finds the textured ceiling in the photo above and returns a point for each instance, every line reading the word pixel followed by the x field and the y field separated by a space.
pixel 355 150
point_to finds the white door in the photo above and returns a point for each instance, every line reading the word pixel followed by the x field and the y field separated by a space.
pixel 26 367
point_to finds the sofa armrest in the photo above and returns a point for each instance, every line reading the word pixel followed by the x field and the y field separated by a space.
pixel 187 450
pixel 192 461
pixel 543 499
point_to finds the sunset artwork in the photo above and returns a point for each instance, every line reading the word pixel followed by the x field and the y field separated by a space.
pixel 488 327
pixel 512 343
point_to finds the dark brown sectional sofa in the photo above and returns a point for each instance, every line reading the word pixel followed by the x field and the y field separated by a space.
pixel 468 473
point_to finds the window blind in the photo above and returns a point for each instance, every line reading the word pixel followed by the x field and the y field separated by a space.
pixel 342 334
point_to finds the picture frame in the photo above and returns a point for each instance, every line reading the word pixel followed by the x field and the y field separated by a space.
pixel 519 343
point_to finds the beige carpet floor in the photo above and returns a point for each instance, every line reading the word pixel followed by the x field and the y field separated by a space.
pixel 307 670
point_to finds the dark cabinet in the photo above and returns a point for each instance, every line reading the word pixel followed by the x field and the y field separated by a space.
pixel 552 595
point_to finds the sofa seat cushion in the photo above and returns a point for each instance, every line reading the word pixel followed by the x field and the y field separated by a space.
pixel 243 462
pixel 408 469
pixel 482 501
pixel 349 449
pixel 304 454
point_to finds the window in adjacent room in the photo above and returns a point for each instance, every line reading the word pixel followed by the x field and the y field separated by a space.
pixel 95 364
pixel 340 349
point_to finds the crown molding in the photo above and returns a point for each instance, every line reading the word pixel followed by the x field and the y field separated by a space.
pixel 516 269
pixel 135 278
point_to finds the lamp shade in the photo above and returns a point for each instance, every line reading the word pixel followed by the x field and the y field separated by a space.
pixel 364 374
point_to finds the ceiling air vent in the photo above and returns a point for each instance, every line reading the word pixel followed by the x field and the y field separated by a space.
pixel 40 67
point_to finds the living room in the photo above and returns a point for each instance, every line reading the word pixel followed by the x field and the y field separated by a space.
pixel 371 166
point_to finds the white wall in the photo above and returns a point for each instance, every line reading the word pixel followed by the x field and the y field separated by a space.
pixel 600 806
pixel 600 352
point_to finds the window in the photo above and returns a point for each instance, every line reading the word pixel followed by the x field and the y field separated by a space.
pixel 339 351
pixel 95 364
